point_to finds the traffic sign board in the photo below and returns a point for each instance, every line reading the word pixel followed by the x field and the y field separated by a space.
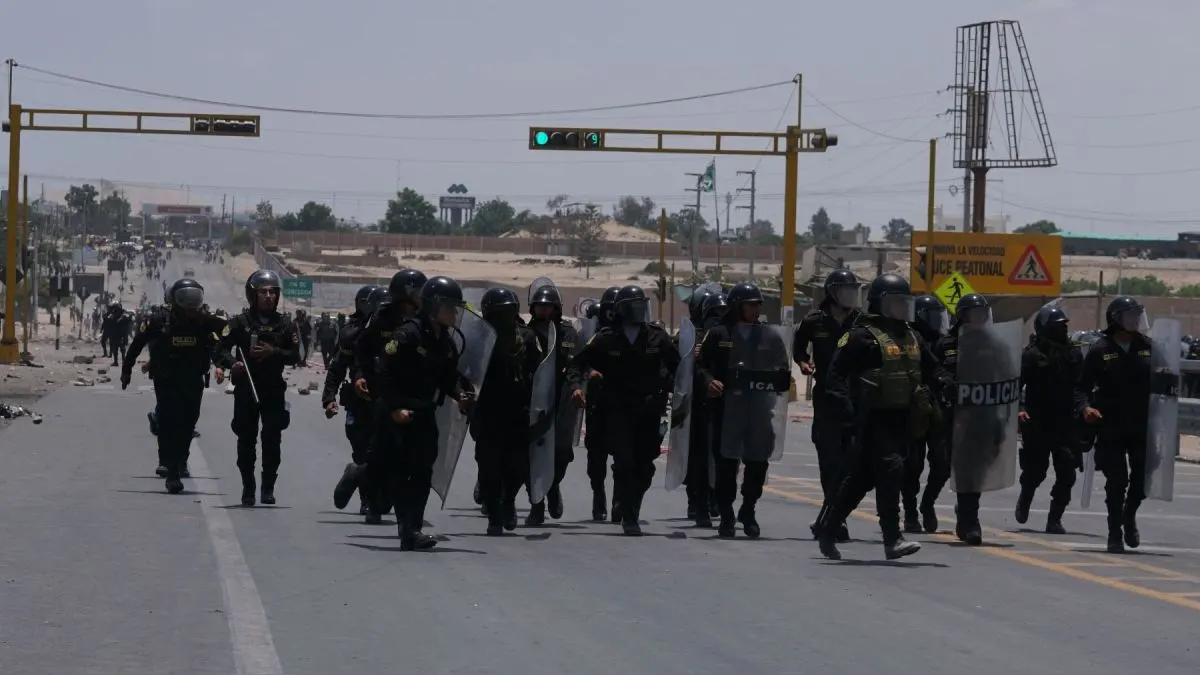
pixel 952 290
pixel 1000 264
pixel 4 274
pixel 298 288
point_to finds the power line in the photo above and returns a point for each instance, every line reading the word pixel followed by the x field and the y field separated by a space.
pixel 1099 216
pixel 860 126
pixel 405 116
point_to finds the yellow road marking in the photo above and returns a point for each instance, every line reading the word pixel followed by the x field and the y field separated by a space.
pixel 1092 564
pixel 1178 599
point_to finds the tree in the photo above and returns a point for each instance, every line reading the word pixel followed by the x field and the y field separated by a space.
pixel 897 231
pixel 762 233
pixel 115 209
pixel 81 200
pixel 493 218
pixel 264 212
pixel 633 212
pixel 1039 227
pixel 410 213
pixel 585 229
pixel 681 225
pixel 824 231
pixel 314 216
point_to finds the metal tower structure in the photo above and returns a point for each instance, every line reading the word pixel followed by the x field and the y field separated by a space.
pixel 984 80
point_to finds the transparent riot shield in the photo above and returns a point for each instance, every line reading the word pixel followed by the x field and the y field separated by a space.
pixel 754 417
pixel 1087 481
pixel 477 339
pixel 587 329
pixel 541 421
pixel 681 407
pixel 983 454
pixel 1162 428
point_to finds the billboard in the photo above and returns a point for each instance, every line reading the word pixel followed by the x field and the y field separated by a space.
pixel 176 210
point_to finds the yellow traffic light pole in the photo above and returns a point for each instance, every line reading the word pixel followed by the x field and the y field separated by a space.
pixel 787 144
pixel 26 119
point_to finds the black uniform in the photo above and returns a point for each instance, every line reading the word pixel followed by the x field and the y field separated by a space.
pixel 637 376
pixel 500 423
pixel 340 389
pixel 593 438
pixel 181 352
pixel 934 446
pixel 418 368
pixel 1116 381
pixel 1049 370
pixel 271 408
pixel 567 380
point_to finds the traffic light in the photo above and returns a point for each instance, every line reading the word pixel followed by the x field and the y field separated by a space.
pixel 225 126
pixel 565 139
pixel 5 126
pixel 824 140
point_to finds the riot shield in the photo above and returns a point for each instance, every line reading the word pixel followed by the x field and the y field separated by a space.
pixel 587 329
pixel 1085 443
pixel 478 338
pixel 983 454
pixel 568 424
pixel 541 421
pixel 754 419
pixel 1162 428
pixel 681 407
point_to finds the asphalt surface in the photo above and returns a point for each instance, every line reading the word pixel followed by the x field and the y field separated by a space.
pixel 103 572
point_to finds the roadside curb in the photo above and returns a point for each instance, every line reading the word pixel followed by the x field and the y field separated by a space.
pixel 1188 460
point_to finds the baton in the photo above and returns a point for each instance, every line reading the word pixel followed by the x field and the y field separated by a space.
pixel 249 378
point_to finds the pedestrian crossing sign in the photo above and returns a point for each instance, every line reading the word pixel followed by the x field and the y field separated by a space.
pixel 1030 270
pixel 952 290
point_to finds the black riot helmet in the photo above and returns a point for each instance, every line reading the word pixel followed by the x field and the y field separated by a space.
pixel 1125 313
pixel 841 288
pixel 931 312
pixel 741 295
pixel 262 280
pixel 631 306
pixel 377 298
pixel 713 309
pixel 362 301
pixel 187 294
pixel 608 300
pixel 547 295
pixel 440 293
pixel 696 304
pixel 1051 322
pixel 498 303
pixel 973 308
pixel 407 284
pixel 890 296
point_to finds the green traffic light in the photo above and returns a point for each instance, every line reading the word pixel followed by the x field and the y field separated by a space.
pixel 593 138
pixel 541 138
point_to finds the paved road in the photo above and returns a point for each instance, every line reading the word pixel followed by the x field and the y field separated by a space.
pixel 105 573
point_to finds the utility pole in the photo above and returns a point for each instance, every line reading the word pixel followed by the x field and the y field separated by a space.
pixel 694 244
pixel 753 190
pixel 11 64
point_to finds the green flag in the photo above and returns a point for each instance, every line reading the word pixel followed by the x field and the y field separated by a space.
pixel 708 182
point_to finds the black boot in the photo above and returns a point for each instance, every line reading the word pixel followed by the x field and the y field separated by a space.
pixel 727 528
pixel 554 503
pixel 818 523
pixel 1054 519
pixel 749 521
pixel 248 488
pixel 1024 501
pixel 161 471
pixel 702 519
pixel 1116 520
pixel 537 514
pixel 174 485
pixel 509 515
pixel 631 512
pixel 899 547
pixel 827 543
pixel 599 504
pixel 268 488
pixel 929 519
pixel 843 533
pixel 184 471
pixel 967 527
pixel 615 511
pixel 1133 538
pixel 416 540
pixel 912 520
pixel 476 496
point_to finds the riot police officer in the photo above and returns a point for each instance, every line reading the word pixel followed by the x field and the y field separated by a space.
pixel 597 449
pixel 258 345
pixel 500 418
pixel 932 323
pixel 702 506
pixel 545 307
pixel 181 348
pixel 636 362
pixel 1112 393
pixel 822 328
pixel 339 389
pixel 1050 366
pixel 879 382
pixel 418 367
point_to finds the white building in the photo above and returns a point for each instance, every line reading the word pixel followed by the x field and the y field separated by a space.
pixel 953 221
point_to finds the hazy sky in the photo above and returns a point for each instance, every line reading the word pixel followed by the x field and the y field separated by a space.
pixel 1117 80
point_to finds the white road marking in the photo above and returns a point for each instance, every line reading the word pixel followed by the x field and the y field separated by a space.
pixel 253 647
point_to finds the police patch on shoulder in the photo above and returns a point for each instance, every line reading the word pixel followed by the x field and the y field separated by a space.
pixel 390 348
pixel 144 325
pixel 225 331
pixel 844 340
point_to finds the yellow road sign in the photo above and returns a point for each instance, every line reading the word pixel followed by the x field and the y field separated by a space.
pixel 1014 264
pixel 952 290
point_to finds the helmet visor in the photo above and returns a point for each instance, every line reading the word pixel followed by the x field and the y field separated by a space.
pixel 847 296
pixel 898 307
pixel 935 318
pixel 1134 320
pixel 634 311
pixel 976 316
pixel 189 298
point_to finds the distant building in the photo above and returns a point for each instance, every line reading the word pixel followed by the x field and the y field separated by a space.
pixel 953 222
